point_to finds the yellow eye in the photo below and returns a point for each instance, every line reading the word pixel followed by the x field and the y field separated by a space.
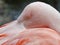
pixel 27 17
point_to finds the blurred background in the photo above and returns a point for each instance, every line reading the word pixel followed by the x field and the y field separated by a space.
pixel 11 9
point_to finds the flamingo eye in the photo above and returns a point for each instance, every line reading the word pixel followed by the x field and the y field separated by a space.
pixel 27 17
